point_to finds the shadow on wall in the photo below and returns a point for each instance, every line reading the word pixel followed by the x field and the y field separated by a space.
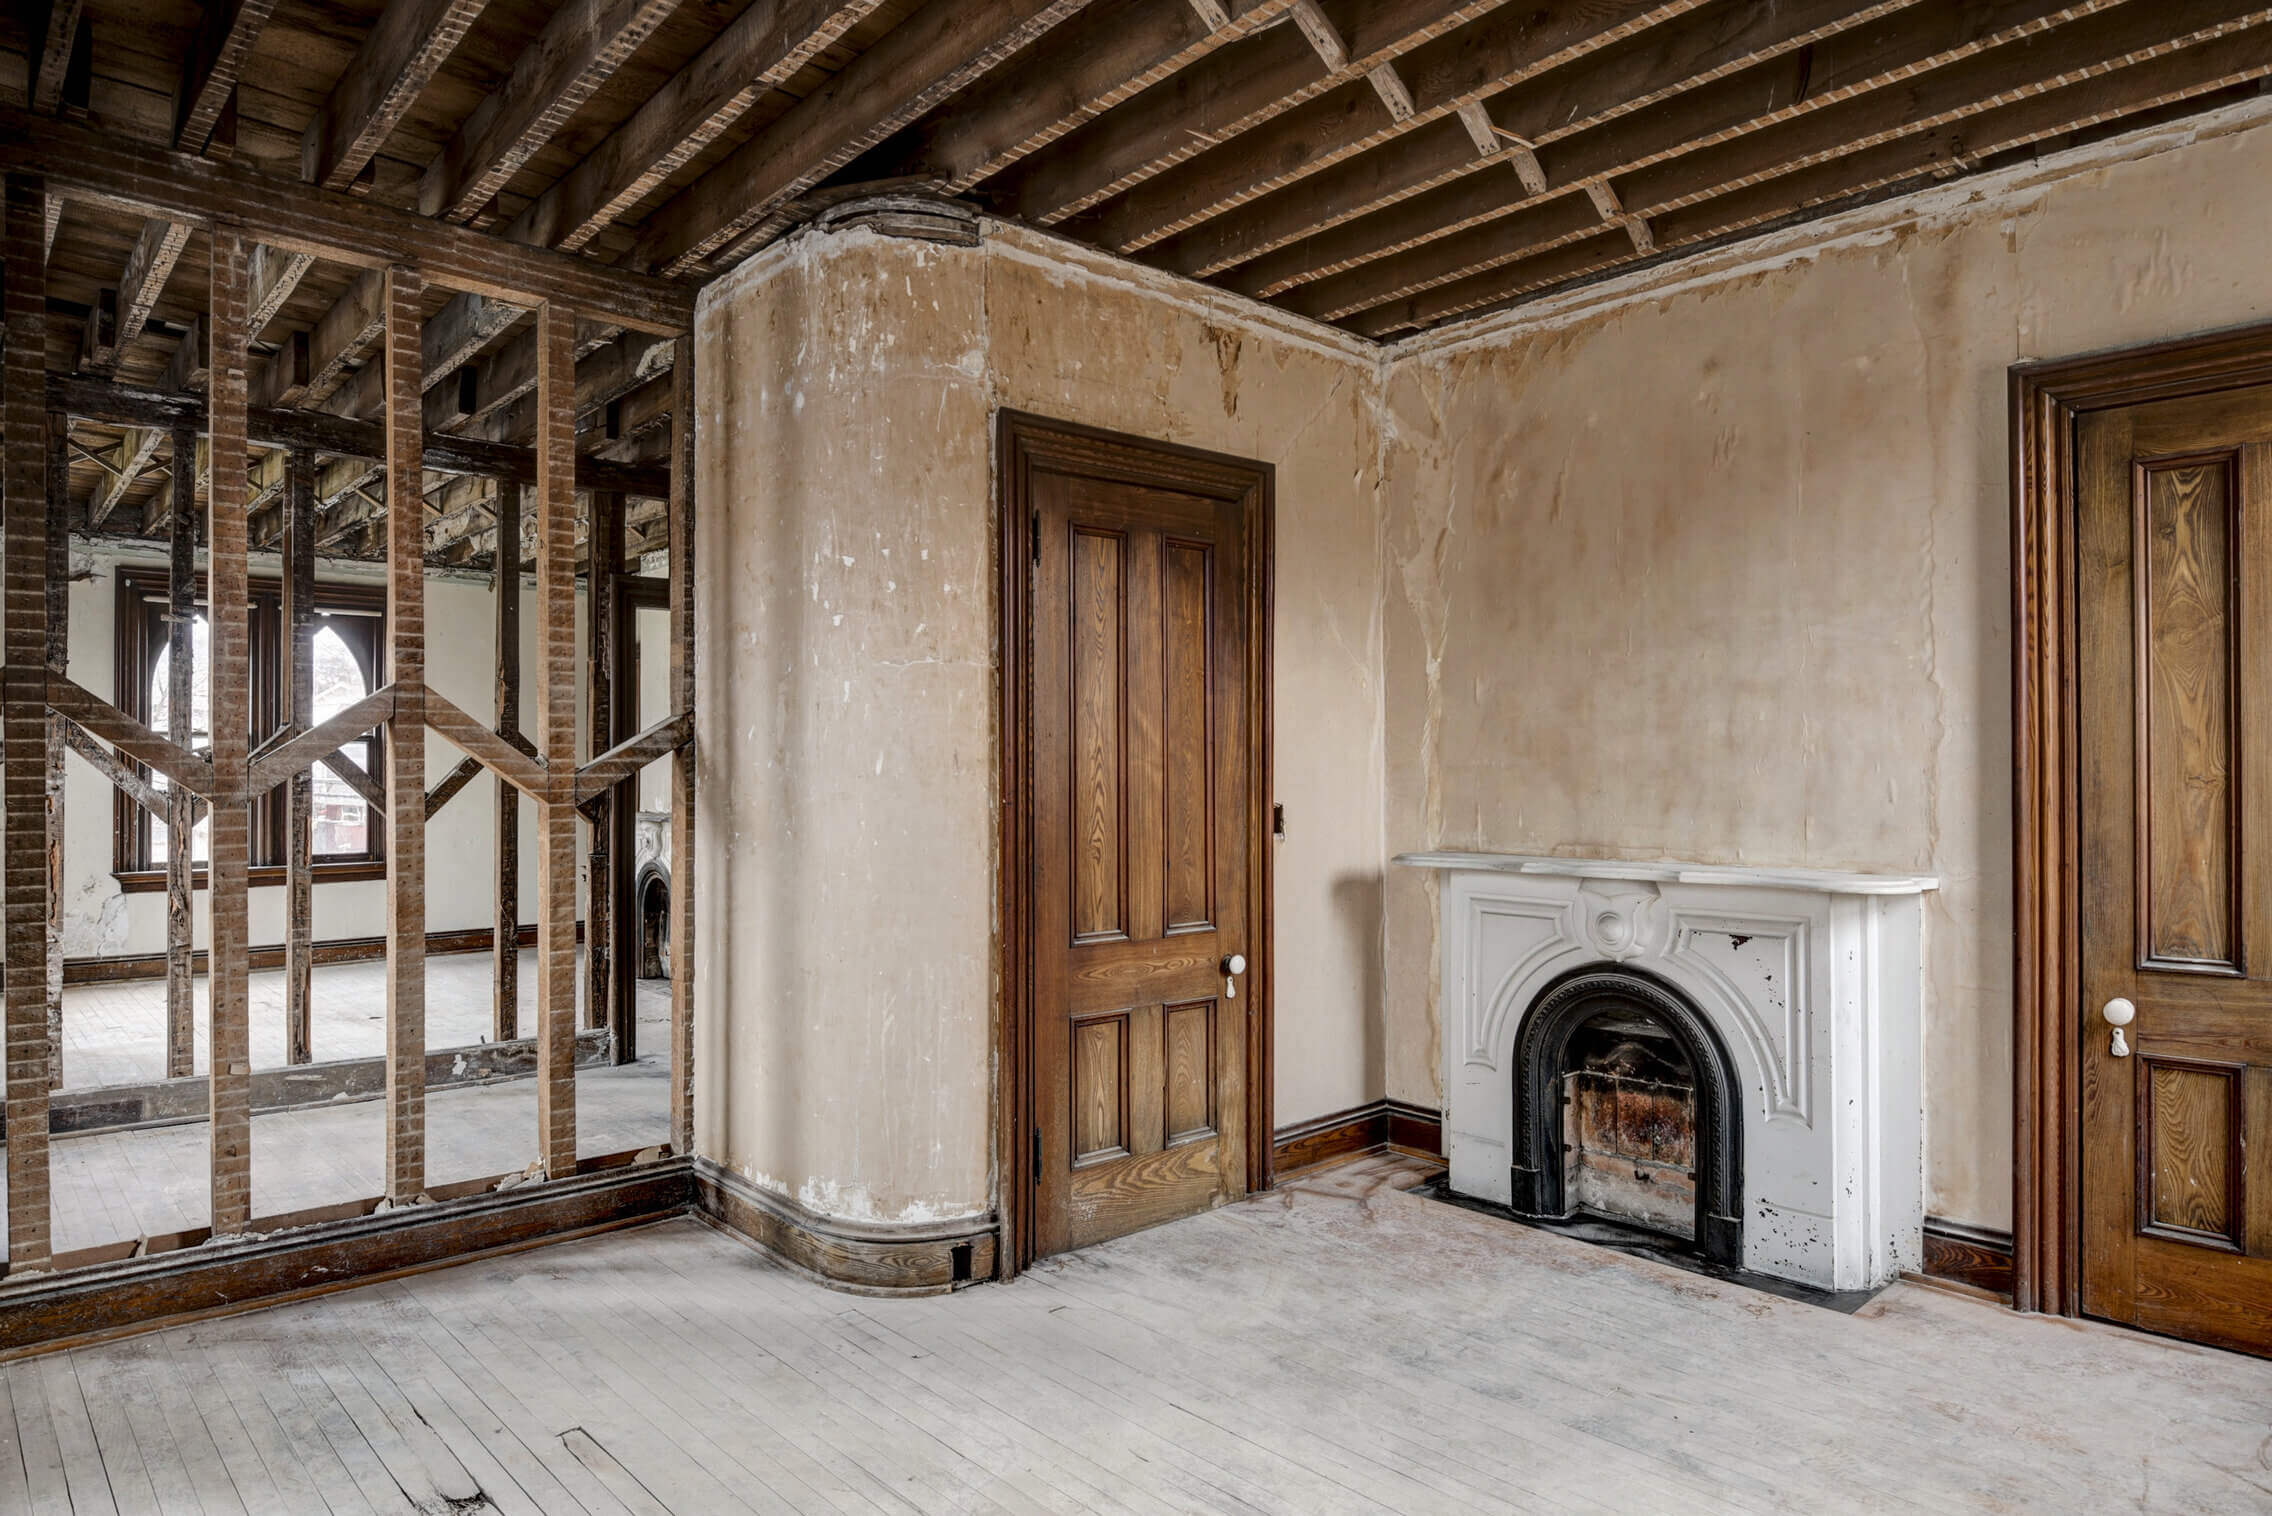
pixel 1358 904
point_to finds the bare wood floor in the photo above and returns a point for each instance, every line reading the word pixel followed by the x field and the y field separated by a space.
pixel 116 1033
pixel 1338 1346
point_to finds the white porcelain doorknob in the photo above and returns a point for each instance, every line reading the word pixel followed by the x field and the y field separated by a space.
pixel 2119 1013
pixel 1233 966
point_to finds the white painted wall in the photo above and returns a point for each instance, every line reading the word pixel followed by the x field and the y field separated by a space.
pixel 100 920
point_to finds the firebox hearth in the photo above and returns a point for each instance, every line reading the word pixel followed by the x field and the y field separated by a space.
pixel 1724 1059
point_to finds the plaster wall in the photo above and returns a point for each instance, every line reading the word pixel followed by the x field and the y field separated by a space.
pixel 101 920
pixel 846 656
pixel 1714 564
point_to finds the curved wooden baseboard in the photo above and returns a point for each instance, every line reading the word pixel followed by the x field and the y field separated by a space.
pixel 862 1258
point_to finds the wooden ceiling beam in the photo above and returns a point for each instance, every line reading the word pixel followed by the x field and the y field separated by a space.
pixel 2044 59
pixel 1440 70
pixel 929 56
pixel 1640 70
pixel 1224 93
pixel 405 46
pixel 2095 99
pixel 583 44
pixel 56 39
pixel 339 436
pixel 225 36
pixel 1118 49
pixel 84 163
pixel 764 47
pixel 1956 54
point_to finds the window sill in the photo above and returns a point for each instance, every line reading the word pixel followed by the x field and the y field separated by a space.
pixel 153 881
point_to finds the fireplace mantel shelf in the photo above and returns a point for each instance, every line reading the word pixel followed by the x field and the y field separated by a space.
pixel 1827 881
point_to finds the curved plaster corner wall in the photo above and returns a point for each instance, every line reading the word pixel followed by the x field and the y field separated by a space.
pixel 846 723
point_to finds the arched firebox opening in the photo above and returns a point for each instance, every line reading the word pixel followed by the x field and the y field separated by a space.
pixel 1625 1112
pixel 653 896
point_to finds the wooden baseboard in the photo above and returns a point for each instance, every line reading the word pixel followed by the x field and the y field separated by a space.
pixel 1969 1255
pixel 47 1312
pixel 858 1257
pixel 129 966
pixel 1368 1128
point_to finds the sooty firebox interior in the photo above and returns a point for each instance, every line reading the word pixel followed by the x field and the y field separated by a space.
pixel 1625 1114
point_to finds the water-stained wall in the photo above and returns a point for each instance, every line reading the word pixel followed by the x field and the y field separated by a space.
pixel 846 743
pixel 1717 566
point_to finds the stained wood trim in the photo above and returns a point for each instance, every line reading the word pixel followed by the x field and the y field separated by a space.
pixel 1374 1127
pixel 339 1245
pixel 680 547
pixel 1021 440
pixel 860 1258
pixel 80 160
pixel 1969 1255
pixel 129 967
pixel 2047 400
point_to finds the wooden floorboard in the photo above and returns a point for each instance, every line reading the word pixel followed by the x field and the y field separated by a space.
pixel 1341 1345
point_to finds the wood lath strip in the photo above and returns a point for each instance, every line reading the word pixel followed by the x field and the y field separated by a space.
pixel 764 47
pixel 913 67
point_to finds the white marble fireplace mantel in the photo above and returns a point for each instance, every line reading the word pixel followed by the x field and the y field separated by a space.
pixel 1813 980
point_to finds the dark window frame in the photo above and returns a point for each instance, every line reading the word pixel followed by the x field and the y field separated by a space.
pixel 140 637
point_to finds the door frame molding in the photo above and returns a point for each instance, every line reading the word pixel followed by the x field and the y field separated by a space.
pixel 1021 439
pixel 2047 399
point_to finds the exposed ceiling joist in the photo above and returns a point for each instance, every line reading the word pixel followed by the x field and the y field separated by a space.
pixel 399 56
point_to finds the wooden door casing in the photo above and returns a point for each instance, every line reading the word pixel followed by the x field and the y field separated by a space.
pixel 1135 830
pixel 2174 650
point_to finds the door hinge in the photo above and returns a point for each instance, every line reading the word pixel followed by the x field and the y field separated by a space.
pixel 1037 537
pixel 1037 1155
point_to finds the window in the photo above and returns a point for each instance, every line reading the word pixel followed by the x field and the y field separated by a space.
pixel 348 635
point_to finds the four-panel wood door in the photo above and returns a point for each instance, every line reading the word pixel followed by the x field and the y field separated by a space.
pixel 1140 840
pixel 2174 600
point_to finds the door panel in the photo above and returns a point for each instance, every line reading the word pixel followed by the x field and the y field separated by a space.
pixel 1140 778
pixel 2174 644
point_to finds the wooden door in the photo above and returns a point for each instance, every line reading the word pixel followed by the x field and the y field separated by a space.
pixel 1142 828
pixel 2174 600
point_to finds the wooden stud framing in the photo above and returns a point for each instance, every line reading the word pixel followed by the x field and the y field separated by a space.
pixel 181 675
pixel 406 747
pixel 58 656
pixel 229 841
pixel 556 738
pixel 682 759
pixel 299 818
pixel 23 715
pixel 505 959
pixel 603 542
